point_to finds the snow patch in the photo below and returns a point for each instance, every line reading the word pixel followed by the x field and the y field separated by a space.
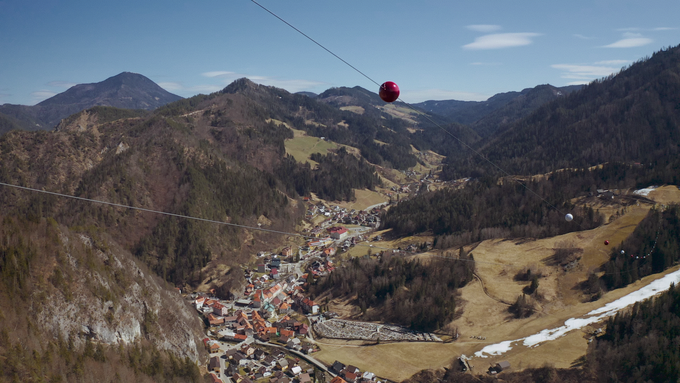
pixel 610 309
pixel 645 192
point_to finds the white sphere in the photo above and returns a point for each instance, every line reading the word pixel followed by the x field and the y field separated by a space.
pixel 568 217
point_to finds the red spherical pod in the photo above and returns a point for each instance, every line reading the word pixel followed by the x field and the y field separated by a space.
pixel 389 91
pixel 606 243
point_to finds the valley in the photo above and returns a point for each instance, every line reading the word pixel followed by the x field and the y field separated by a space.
pixel 333 237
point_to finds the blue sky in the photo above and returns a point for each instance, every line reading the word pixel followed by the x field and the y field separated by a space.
pixel 434 50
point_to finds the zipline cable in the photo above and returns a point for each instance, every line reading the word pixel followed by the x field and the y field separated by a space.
pixel 370 246
pixel 550 205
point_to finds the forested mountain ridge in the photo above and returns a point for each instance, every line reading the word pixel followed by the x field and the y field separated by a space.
pixel 633 116
pixel 521 106
pixel 125 90
pixel 480 115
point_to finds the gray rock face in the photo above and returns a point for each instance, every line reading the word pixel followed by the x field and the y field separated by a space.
pixel 124 309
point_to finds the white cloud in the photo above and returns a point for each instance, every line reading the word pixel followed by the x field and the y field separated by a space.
pixel 289 85
pixel 582 37
pixel 219 73
pixel 612 62
pixel 42 95
pixel 646 29
pixel 584 73
pixel 630 42
pixel 224 78
pixel 189 90
pixel 581 82
pixel 484 28
pixel 61 84
pixel 170 86
pixel 439 94
pixel 501 40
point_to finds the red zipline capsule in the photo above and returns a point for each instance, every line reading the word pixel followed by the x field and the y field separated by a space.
pixel 389 91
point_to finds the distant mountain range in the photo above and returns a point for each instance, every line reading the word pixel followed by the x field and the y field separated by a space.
pixel 631 117
pixel 125 90
pixel 485 117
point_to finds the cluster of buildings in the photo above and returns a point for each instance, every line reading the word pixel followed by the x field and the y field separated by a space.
pixel 249 363
pixel 337 214
pixel 350 374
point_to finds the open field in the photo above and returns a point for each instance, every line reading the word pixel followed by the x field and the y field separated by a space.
pixel 364 199
pixel 485 315
pixel 353 108
pixel 301 147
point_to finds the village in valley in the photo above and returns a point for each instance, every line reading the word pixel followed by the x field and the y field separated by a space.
pixel 266 332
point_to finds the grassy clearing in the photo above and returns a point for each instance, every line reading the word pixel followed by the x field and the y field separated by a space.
pixel 355 109
pixel 301 147
pixel 364 199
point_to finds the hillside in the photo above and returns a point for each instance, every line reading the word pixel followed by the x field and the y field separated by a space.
pixel 405 126
pixel 629 117
pixel 501 109
pixel 125 90
pixel 521 106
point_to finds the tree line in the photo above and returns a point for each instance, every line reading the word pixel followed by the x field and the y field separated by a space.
pixel 491 208
pixel 653 247
pixel 421 295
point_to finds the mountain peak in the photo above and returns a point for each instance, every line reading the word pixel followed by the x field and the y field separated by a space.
pixel 125 90
pixel 240 85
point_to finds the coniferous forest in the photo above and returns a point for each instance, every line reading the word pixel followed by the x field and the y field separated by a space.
pixel 421 295
pixel 653 247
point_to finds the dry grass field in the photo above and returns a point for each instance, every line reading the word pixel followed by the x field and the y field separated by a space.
pixel 301 147
pixel 484 313
pixel 364 199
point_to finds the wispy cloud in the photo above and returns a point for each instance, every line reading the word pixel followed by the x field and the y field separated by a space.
pixel 61 84
pixel 41 95
pixel 612 62
pixel 583 74
pixel 630 40
pixel 224 78
pixel 501 40
pixel 439 94
pixel 579 82
pixel 179 87
pixel 220 73
pixel 295 85
pixel 636 29
pixel 484 28
pixel 582 37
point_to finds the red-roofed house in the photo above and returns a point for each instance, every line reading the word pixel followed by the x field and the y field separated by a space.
pixel 215 320
pixel 288 333
pixel 338 232
pixel 220 309
pixel 309 306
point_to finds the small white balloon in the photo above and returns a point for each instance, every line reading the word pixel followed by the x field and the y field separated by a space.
pixel 623 252
pixel 568 217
